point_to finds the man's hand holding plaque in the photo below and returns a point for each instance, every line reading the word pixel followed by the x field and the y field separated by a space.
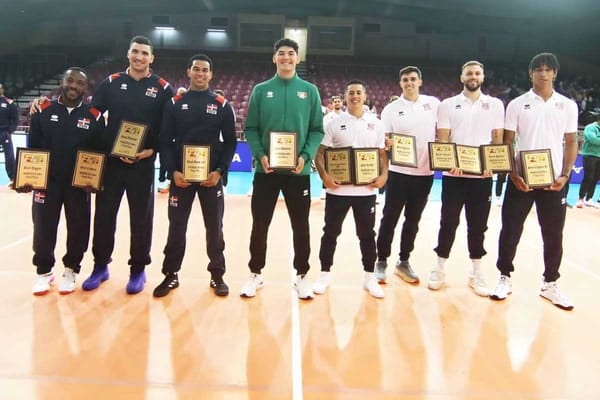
pixel 32 170
pixel 129 141
pixel 404 150
pixel 88 172
pixel 366 165
pixel 468 160
pixel 283 151
pixel 338 164
pixel 442 156
pixel 196 163
pixel 537 168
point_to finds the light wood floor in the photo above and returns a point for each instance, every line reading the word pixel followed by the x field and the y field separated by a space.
pixel 414 344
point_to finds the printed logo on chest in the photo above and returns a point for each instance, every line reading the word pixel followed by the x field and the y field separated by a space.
pixel 83 123
pixel 151 92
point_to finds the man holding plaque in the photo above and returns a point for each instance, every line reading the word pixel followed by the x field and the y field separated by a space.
pixel 354 129
pixel 62 127
pixel 9 117
pixel 289 109
pixel 197 160
pixel 470 118
pixel 409 180
pixel 538 119
pixel 134 100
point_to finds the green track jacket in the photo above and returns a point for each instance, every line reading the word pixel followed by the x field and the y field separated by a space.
pixel 290 105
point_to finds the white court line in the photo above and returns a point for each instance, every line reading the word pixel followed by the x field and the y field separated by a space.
pixel 297 393
pixel 16 243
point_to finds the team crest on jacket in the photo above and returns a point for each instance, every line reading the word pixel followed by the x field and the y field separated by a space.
pixel 269 95
pixel 151 92
pixel 54 118
pixel 185 107
pixel 83 123
pixel 4 105
pixel 123 86
pixel 302 95
pixel 211 109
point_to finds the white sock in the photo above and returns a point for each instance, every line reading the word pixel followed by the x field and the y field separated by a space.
pixel 441 263
pixel 476 266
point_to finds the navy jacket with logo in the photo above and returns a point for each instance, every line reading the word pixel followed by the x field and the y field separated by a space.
pixel 135 101
pixel 201 118
pixel 54 129
pixel 9 115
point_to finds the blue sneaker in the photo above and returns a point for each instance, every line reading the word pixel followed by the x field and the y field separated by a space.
pixel 136 282
pixel 99 275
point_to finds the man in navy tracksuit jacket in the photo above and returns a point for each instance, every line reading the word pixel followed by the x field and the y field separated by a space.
pixel 9 117
pixel 198 117
pixel 136 95
pixel 62 126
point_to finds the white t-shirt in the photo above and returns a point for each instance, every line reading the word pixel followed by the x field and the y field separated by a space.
pixel 471 123
pixel 349 131
pixel 330 117
pixel 540 124
pixel 417 119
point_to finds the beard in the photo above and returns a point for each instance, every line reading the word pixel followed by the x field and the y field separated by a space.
pixel 472 87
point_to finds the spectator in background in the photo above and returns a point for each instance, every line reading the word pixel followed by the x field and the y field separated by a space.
pixel 337 104
pixel 590 151
pixel 9 117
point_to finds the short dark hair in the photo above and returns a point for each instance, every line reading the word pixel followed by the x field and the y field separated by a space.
pixel 202 57
pixel 469 63
pixel 285 42
pixel 547 59
pixel 139 39
pixel 355 82
pixel 78 69
pixel 407 70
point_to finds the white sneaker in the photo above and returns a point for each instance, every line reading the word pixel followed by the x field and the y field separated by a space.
pixel 477 283
pixel 437 279
pixel 579 203
pixel 42 284
pixel 163 187
pixel 372 286
pixel 303 287
pixel 322 283
pixel 67 284
pixel 252 285
pixel 502 289
pixel 551 293
pixel 380 267
pixel 590 203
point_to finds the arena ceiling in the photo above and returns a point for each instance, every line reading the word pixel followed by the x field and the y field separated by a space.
pixel 576 19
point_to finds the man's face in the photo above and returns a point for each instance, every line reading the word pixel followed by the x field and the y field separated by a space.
pixel 74 85
pixel 542 77
pixel 410 83
pixel 199 74
pixel 472 77
pixel 140 57
pixel 355 95
pixel 286 59
pixel 337 104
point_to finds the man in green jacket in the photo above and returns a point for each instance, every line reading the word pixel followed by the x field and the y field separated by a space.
pixel 590 152
pixel 284 103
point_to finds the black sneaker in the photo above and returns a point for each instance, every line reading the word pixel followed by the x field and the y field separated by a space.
pixel 219 287
pixel 170 282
